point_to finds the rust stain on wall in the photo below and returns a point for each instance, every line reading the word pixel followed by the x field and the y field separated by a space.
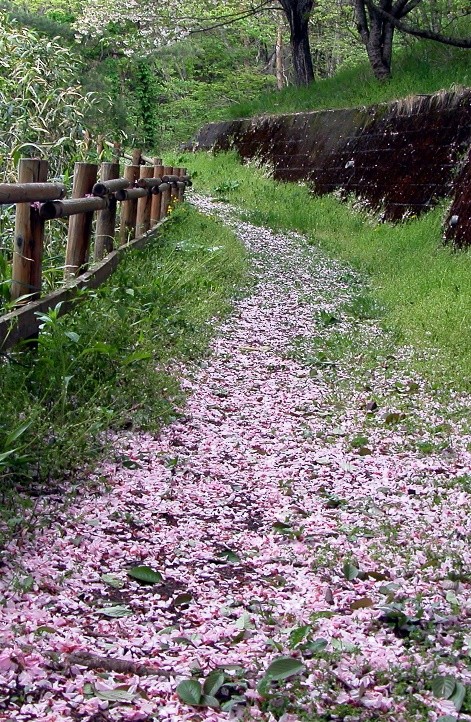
pixel 401 157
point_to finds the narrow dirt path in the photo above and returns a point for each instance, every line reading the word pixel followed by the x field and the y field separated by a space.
pixel 311 502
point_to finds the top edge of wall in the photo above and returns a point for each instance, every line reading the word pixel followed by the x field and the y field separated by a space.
pixel 446 99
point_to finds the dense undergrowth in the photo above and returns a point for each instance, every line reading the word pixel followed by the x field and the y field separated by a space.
pixel 113 363
pixel 418 68
pixel 422 286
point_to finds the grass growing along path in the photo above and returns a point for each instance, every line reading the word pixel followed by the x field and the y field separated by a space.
pixel 423 287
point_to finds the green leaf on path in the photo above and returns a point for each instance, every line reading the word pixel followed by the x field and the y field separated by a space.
pixel 130 463
pixel 299 634
pixel 182 640
pixel 317 645
pixel 458 696
pixel 189 691
pixel 232 702
pixel 45 629
pixel 350 571
pixel 281 526
pixel 229 556
pixel 112 581
pixel 243 634
pixel 378 576
pixel 244 621
pixel 119 610
pixel 115 695
pixel 389 589
pixel 213 682
pixel 167 630
pixel 394 417
pixel 362 603
pixel 208 700
pixel 443 686
pixel 183 599
pixel 283 668
pixel 144 574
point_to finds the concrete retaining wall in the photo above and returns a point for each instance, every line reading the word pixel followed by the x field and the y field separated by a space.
pixel 401 157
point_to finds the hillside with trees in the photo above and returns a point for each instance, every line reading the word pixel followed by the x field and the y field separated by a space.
pixel 153 74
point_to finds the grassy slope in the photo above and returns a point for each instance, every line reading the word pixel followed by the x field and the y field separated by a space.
pixel 424 286
pixel 424 67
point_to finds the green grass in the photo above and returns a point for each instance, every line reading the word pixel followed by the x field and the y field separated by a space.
pixel 424 67
pixel 111 363
pixel 424 286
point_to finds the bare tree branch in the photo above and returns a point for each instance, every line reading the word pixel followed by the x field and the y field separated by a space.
pixel 229 18
pixel 224 23
pixel 417 32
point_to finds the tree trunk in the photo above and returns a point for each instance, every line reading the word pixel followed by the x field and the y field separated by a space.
pixel 302 60
pixel 377 36
pixel 297 13
pixel 279 59
pixel 379 47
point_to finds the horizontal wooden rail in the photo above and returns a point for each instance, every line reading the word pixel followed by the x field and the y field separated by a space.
pixel 145 193
pixel 30 192
pixel 171 178
pixel 110 186
pixel 131 194
pixel 148 182
pixel 62 209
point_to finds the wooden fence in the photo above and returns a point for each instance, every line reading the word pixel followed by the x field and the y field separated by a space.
pixel 145 193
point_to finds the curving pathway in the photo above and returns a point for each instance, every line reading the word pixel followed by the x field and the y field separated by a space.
pixel 309 503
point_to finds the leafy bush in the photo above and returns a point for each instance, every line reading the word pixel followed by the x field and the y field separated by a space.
pixel 42 105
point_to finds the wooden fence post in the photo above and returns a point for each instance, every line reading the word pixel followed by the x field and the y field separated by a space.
pixel 174 191
pixel 106 219
pixel 144 204
pixel 80 226
pixel 116 152
pixel 37 226
pixel 136 157
pixel 156 200
pixel 127 228
pixel 181 189
pixel 165 194
pixel 29 235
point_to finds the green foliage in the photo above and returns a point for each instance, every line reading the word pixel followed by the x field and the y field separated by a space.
pixel 42 105
pixel 280 669
pixel 105 366
pixel 145 575
pixel 171 94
